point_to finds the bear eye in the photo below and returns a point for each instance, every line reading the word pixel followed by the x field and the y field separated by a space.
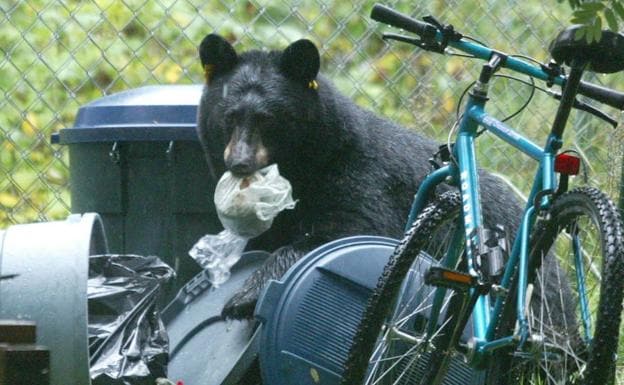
pixel 229 118
pixel 229 122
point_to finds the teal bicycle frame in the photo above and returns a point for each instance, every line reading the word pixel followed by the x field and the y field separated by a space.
pixel 463 173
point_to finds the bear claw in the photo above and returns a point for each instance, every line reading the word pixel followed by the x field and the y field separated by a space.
pixel 241 305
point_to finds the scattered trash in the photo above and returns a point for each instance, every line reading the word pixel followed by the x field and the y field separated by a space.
pixel 218 253
pixel 164 381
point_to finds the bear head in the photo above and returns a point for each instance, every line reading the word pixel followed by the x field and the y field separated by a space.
pixel 260 107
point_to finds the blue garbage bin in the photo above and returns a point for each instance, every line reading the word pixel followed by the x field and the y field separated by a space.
pixel 135 160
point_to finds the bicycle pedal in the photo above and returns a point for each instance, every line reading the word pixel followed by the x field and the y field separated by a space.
pixel 451 279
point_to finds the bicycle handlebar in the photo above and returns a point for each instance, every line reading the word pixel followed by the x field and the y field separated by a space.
pixel 601 94
pixel 427 31
pixel 397 19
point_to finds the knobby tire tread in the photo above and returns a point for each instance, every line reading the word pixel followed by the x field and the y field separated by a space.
pixel 394 272
pixel 589 201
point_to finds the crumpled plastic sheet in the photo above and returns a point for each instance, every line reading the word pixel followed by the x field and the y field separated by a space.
pixel 216 254
pixel 128 343
pixel 246 207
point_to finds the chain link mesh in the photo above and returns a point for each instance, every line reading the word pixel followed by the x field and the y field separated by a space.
pixel 56 55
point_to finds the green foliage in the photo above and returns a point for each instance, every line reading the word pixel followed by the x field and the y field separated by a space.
pixel 594 15
pixel 57 55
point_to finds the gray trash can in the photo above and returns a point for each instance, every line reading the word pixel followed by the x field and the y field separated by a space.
pixel 206 349
pixel 135 160
pixel 49 262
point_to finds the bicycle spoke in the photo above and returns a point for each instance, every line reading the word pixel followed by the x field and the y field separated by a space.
pixel 566 317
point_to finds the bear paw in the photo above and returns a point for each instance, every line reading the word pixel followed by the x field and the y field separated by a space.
pixel 243 303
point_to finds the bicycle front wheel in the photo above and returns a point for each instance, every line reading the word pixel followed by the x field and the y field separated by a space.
pixel 403 337
pixel 577 255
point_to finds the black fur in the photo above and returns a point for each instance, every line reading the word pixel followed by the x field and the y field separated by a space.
pixel 352 172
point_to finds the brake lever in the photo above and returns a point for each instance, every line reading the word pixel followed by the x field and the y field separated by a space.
pixel 588 108
pixel 414 41
pixel 596 112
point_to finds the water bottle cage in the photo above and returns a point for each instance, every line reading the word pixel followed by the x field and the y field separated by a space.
pixel 492 252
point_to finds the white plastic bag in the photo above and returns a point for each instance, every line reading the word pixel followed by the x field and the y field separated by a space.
pixel 246 208
pixel 218 253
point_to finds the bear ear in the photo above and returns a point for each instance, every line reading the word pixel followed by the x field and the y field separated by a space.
pixel 301 61
pixel 216 55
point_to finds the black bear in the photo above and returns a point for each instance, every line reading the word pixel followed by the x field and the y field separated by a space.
pixel 352 172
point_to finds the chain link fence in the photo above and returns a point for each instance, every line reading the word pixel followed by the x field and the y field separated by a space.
pixel 57 55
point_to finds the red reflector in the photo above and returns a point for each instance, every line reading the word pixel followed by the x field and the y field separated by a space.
pixel 567 164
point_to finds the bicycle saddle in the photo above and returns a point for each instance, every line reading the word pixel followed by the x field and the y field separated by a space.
pixel 605 56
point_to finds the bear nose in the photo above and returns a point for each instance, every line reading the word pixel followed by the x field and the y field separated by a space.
pixel 242 168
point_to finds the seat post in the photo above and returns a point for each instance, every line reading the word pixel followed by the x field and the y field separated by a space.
pixel 570 90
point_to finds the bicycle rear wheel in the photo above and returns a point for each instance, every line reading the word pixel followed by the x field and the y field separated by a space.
pixel 398 340
pixel 574 335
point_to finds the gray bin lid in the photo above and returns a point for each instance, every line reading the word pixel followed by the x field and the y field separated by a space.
pixel 152 113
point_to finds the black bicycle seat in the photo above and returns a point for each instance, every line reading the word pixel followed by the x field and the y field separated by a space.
pixel 605 56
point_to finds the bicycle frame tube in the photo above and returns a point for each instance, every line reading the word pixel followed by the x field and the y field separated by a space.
pixel 426 189
pixel 505 132
pixel 469 188
pixel 468 180
pixel 466 175
pixel 516 251
pixel 511 62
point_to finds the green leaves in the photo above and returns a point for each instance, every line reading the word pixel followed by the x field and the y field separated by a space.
pixel 611 19
pixel 593 6
pixel 593 15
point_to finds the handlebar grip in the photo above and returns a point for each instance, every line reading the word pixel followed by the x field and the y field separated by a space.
pixel 602 95
pixel 394 18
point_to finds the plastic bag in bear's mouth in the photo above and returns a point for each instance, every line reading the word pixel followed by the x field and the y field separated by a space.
pixel 246 208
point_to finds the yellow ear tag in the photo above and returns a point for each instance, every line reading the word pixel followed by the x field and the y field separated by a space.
pixel 208 70
pixel 313 85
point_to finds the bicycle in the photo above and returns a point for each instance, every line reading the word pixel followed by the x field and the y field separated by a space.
pixel 545 310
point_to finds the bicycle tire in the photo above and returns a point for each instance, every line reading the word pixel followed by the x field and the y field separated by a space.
pixel 369 341
pixel 566 350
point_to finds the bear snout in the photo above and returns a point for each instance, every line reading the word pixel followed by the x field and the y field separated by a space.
pixel 242 169
pixel 243 158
